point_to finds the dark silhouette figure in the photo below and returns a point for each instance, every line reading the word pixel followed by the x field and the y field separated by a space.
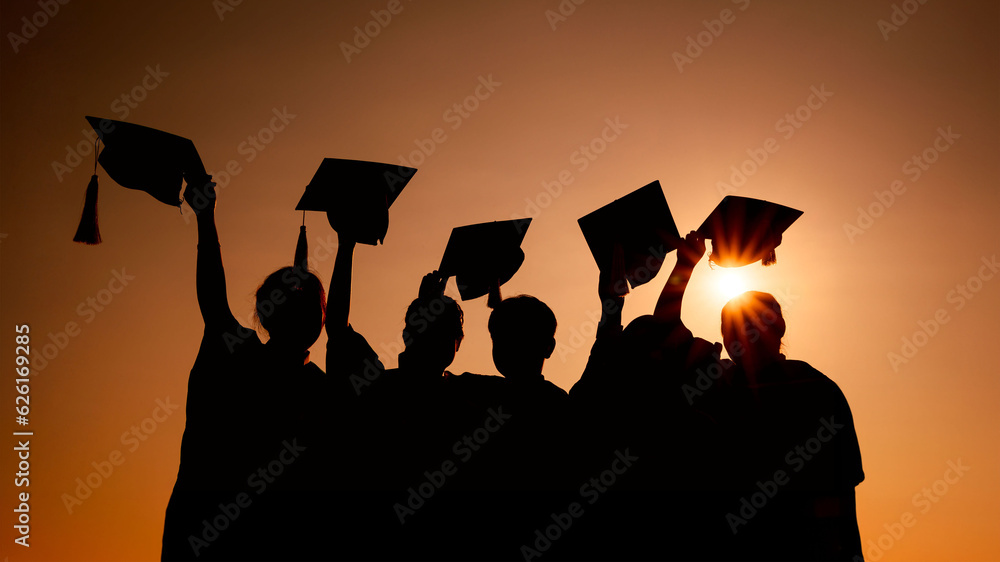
pixel 406 423
pixel 250 452
pixel 667 450
pixel 792 435
pixel 630 398
pixel 785 451
pixel 516 477
pixel 527 457
pixel 351 441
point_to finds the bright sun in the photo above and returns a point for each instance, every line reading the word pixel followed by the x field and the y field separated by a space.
pixel 730 283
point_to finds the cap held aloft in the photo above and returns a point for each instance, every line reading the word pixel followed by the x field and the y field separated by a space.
pixel 356 196
pixel 745 230
pixel 484 256
pixel 138 158
pixel 631 236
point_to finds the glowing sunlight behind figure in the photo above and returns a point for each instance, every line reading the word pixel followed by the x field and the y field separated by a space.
pixel 730 282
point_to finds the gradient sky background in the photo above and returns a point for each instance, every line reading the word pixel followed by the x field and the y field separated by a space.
pixel 848 302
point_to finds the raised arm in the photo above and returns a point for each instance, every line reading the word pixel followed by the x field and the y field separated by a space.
pixel 612 303
pixel 689 252
pixel 605 355
pixel 348 354
pixel 338 303
pixel 210 276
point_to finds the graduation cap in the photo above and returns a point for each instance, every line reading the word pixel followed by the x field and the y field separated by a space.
pixel 631 236
pixel 356 196
pixel 745 230
pixel 139 158
pixel 484 256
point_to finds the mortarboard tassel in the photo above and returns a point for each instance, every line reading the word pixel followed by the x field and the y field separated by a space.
pixel 772 240
pixel 619 285
pixel 493 298
pixel 88 232
pixel 302 247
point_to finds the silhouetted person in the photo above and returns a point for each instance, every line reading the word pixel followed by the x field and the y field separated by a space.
pixel 349 356
pixel 407 423
pixel 346 521
pixel 660 343
pixel 523 332
pixel 787 457
pixel 516 477
pixel 630 397
pixel 253 411
pixel 794 441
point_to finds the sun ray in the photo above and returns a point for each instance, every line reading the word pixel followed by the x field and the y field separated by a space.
pixel 731 282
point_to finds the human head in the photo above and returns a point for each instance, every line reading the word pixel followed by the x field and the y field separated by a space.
pixel 433 331
pixel 656 344
pixel 291 308
pixel 752 328
pixel 523 329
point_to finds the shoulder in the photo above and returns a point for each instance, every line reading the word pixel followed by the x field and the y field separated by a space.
pixel 473 378
pixel 347 340
pixel 553 390
pixel 313 370
pixel 471 383
pixel 391 377
pixel 231 338
pixel 702 352
pixel 815 387
pixel 226 346
pixel 801 372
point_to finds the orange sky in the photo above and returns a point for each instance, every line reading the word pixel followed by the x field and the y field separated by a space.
pixel 850 297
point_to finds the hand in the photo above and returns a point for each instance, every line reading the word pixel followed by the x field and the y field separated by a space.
pixel 432 285
pixel 608 291
pixel 200 193
pixel 690 250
